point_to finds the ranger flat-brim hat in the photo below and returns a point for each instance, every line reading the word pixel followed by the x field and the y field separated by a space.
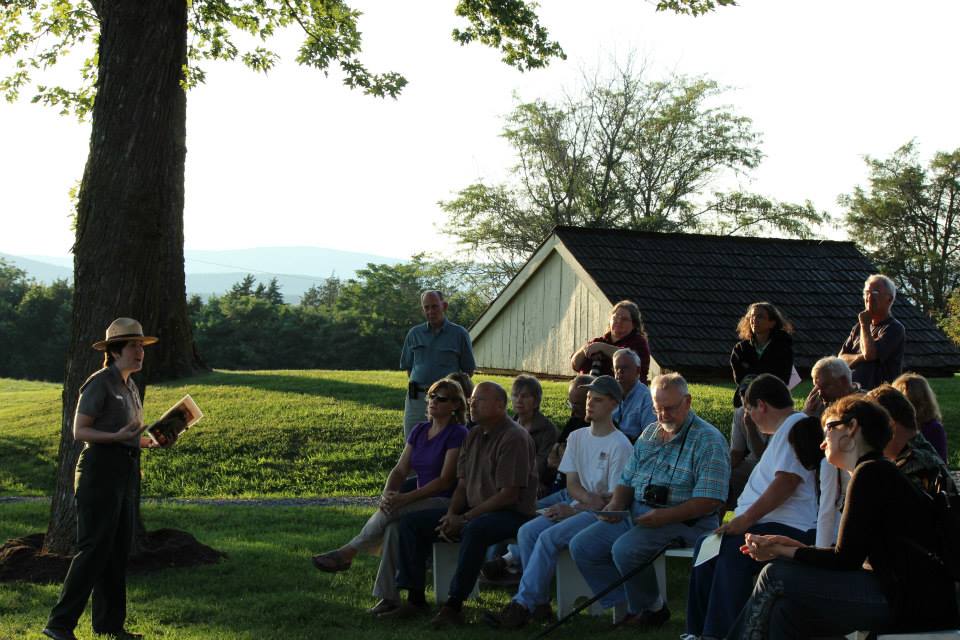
pixel 606 385
pixel 121 330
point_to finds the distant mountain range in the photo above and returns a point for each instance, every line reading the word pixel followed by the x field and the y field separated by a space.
pixel 214 272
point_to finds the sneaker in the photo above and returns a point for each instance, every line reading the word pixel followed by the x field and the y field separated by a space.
pixel 123 634
pixel 448 617
pixel 647 619
pixel 406 611
pixel 58 634
pixel 512 616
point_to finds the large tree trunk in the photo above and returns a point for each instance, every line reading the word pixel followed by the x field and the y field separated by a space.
pixel 128 255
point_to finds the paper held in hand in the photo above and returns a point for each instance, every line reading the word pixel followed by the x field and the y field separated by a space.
pixel 709 549
pixel 175 421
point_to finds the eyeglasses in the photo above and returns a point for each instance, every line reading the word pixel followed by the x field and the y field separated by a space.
pixel 833 424
pixel 437 398
pixel 873 292
pixel 668 408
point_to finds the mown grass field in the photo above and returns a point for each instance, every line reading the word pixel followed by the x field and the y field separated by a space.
pixel 285 433
pixel 272 434
pixel 266 589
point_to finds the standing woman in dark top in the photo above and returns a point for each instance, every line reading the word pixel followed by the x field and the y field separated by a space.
pixel 826 591
pixel 626 332
pixel 109 420
pixel 766 345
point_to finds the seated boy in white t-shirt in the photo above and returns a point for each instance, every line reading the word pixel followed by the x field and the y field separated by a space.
pixel 592 462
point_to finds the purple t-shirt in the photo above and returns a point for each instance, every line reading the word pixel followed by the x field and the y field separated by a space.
pixel 427 455
pixel 934 433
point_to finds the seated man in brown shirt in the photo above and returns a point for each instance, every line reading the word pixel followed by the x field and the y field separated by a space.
pixel 496 493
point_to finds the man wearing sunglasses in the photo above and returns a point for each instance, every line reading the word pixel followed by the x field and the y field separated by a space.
pixel 874 348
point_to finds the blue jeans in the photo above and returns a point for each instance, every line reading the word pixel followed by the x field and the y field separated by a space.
pixel 794 601
pixel 719 588
pixel 417 535
pixel 604 552
pixel 541 540
pixel 542 503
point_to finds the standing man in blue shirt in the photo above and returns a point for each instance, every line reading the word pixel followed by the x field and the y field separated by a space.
pixel 671 490
pixel 431 351
pixel 635 411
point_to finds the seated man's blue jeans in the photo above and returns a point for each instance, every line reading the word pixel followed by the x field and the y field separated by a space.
pixel 605 552
pixel 542 503
pixel 719 588
pixel 541 540
pixel 417 535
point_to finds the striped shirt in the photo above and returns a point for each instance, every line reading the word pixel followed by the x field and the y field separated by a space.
pixel 693 464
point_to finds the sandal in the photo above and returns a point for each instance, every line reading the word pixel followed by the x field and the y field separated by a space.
pixel 382 607
pixel 331 562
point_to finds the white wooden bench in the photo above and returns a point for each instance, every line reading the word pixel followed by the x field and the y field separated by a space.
pixel 660 567
pixel 445 558
pixel 571 585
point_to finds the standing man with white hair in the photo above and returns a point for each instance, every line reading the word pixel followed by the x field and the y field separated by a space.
pixel 874 349
pixel 431 351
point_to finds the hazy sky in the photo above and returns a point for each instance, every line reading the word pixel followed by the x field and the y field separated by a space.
pixel 294 158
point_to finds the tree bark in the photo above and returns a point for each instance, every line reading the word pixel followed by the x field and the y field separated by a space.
pixel 128 254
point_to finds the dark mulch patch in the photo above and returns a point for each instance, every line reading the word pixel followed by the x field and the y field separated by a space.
pixel 22 560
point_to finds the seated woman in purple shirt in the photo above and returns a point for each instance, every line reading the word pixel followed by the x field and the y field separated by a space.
pixel 431 452
pixel 924 401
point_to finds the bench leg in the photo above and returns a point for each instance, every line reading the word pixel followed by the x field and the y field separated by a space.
pixel 445 558
pixel 660 568
pixel 571 585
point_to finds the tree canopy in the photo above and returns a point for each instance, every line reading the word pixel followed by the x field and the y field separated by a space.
pixel 908 221
pixel 626 152
pixel 139 59
pixel 38 35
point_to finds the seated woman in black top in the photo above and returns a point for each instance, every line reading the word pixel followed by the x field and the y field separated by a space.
pixel 827 591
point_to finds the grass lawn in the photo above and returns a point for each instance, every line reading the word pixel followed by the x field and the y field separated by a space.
pixel 275 434
pixel 266 589
pixel 286 433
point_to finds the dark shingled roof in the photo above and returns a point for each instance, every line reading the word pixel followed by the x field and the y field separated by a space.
pixel 693 289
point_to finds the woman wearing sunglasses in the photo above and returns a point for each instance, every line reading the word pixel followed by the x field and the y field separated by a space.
pixel 431 453
pixel 826 591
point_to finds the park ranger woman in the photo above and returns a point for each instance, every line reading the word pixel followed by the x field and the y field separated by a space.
pixel 109 420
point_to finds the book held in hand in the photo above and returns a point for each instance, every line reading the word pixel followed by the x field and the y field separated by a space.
pixel 175 421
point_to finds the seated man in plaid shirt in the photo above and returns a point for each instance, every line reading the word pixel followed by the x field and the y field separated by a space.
pixel 672 487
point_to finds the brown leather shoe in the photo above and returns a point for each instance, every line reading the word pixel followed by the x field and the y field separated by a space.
pixel 448 617
pixel 406 611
